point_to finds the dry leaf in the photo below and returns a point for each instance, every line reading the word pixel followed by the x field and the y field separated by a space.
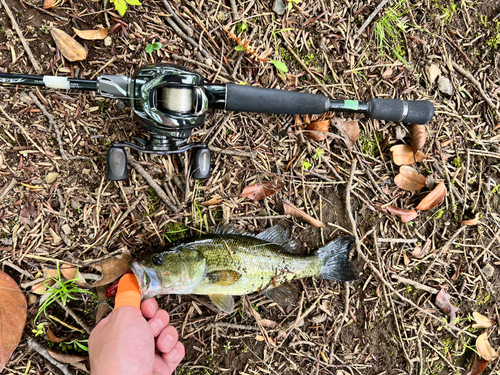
pixel 406 215
pixel 477 365
pixel 421 251
pixel 290 209
pixel 215 200
pixel 432 72
pixel 481 321
pixel 66 358
pixel 387 73
pixel 71 273
pixel 484 348
pixel 47 4
pixel 260 338
pixel 259 191
pixel 444 304
pixel 418 137
pixel 98 34
pixel 41 287
pixel 112 268
pixel 474 221
pixel 432 199
pixel 404 155
pixel 317 129
pixel 68 46
pixel 349 131
pixel 406 260
pixel 266 323
pixel 56 340
pixel 13 311
pixel 409 179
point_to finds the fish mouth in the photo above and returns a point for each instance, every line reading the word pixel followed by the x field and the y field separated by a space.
pixel 149 282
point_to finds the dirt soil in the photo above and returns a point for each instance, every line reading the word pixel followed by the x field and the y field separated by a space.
pixel 56 204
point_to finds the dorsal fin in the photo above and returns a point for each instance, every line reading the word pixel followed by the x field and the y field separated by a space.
pixel 279 235
pixel 226 228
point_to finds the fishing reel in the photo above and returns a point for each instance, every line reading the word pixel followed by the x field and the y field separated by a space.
pixel 169 101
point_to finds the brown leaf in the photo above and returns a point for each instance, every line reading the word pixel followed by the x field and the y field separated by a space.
pixel 98 34
pixel 421 251
pixel 404 155
pixel 317 129
pixel 259 191
pixel 13 311
pixel 406 215
pixel 266 323
pixel 484 348
pixel 418 137
pixel 102 310
pixel 409 179
pixel 481 321
pixel 474 221
pixel 432 199
pixel 406 260
pixel 41 287
pixel 68 46
pixel 24 215
pixel 290 209
pixel 66 358
pixel 349 131
pixel 387 73
pixel 444 304
pixel 47 4
pixel 477 365
pixel 213 201
pixel 56 340
pixel 112 268
pixel 71 273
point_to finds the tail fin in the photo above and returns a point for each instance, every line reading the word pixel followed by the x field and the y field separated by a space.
pixel 336 263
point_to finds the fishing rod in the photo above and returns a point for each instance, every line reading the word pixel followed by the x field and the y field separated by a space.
pixel 171 100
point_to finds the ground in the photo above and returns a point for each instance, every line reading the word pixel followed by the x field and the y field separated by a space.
pixel 386 327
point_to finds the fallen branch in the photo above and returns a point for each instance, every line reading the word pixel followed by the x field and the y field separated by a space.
pixel 52 123
pixel 26 46
pixel 369 19
pixel 75 317
pixel 415 284
pixel 7 188
pixel 32 344
pixel 475 82
pixel 157 188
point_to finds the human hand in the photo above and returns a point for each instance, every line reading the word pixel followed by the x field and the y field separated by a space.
pixel 130 341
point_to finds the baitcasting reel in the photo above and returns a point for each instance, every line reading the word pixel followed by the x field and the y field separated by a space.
pixel 171 101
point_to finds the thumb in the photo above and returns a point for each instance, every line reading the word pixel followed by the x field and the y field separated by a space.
pixel 128 293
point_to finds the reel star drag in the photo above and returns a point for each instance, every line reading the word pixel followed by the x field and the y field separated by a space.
pixel 171 101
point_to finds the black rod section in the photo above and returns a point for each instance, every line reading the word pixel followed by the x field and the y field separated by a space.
pixel 30 80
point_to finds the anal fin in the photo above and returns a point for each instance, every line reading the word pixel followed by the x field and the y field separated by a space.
pixel 223 302
pixel 284 294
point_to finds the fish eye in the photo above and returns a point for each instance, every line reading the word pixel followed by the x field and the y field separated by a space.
pixel 158 260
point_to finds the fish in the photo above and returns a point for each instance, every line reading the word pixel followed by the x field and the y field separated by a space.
pixel 230 262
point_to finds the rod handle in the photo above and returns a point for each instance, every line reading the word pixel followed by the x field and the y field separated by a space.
pixel 409 111
pixel 243 98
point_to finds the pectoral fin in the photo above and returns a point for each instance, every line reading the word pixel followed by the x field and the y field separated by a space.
pixel 284 294
pixel 224 278
pixel 223 302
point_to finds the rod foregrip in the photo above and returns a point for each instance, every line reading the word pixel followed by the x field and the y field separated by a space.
pixel 242 98
pixel 409 111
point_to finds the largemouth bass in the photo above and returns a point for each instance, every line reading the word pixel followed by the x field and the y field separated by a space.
pixel 230 262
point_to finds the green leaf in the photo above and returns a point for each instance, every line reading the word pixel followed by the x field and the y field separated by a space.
pixel 157 46
pixel 280 66
pixel 120 6
pixel 133 2
pixel 239 48
pixel 149 48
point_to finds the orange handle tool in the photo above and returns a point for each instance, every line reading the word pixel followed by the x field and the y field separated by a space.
pixel 128 292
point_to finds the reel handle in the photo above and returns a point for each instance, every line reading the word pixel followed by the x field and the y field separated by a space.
pixel 200 163
pixel 117 164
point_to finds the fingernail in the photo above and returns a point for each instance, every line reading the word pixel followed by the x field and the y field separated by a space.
pixel 168 341
pixel 156 326
pixel 173 353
